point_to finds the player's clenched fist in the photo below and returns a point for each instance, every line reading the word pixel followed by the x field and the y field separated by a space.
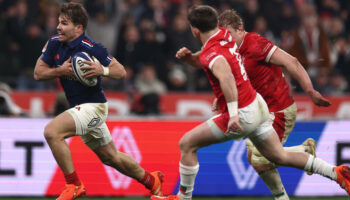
pixel 183 54
pixel 233 124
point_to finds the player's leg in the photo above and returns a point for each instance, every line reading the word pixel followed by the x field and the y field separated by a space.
pixel 267 142
pixel 272 150
pixel 193 140
pixel 55 132
pixel 283 123
pixel 95 134
pixel 78 120
pixel 267 172
pixel 61 127
pixel 126 165
pixel 210 132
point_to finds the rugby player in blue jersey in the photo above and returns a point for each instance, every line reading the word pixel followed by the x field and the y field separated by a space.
pixel 88 105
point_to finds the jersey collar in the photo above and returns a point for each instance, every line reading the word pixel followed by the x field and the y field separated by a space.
pixel 76 42
pixel 211 37
pixel 245 33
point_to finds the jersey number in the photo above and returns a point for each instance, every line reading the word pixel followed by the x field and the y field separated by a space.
pixel 238 56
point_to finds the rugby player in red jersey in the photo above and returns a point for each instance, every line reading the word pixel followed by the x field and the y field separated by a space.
pixel 263 61
pixel 243 112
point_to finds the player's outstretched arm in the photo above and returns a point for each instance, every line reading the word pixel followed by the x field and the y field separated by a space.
pixel 297 71
pixel 43 71
pixel 188 57
pixel 223 73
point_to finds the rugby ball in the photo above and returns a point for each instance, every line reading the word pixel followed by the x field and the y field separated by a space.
pixel 77 63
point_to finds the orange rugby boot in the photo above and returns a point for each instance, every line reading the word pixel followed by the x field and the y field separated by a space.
pixel 343 177
pixel 170 197
pixel 72 191
pixel 158 180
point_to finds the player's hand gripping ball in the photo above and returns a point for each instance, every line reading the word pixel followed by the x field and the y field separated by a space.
pixel 77 63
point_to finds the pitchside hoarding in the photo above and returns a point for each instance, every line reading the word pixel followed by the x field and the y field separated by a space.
pixel 27 167
pixel 37 104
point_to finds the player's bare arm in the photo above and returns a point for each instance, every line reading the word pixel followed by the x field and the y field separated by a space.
pixel 114 70
pixel 297 71
pixel 223 73
pixel 188 57
pixel 43 71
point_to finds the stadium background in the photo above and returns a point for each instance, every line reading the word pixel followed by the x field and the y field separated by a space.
pixel 148 121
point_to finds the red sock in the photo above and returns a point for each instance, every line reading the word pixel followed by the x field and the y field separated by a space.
pixel 147 180
pixel 72 178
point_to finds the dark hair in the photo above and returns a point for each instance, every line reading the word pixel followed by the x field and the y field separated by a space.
pixel 205 18
pixel 76 13
pixel 230 17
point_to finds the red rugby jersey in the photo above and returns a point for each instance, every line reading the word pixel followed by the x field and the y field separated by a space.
pixel 265 77
pixel 221 44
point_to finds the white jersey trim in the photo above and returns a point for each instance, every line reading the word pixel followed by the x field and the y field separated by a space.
pixel 205 44
pixel 268 57
pixel 214 59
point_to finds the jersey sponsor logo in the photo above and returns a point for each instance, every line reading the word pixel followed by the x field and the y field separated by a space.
pixel 125 142
pixel 245 177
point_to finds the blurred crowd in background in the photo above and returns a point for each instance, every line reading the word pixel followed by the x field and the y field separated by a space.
pixel 144 36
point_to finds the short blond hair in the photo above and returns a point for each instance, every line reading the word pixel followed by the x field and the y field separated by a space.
pixel 232 18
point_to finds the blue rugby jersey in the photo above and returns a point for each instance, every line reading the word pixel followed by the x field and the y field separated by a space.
pixel 55 53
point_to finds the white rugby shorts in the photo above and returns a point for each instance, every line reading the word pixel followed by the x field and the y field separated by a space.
pixel 254 119
pixel 90 123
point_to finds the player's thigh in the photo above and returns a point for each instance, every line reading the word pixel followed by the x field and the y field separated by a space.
pixel 290 115
pixel 198 137
pixel 88 117
pixel 98 137
pixel 263 128
pixel 62 125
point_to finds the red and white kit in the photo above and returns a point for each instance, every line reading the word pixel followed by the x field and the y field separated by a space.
pixel 269 81
pixel 252 109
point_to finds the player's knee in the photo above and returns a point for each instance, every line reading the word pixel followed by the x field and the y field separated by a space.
pixel 185 145
pixel 49 133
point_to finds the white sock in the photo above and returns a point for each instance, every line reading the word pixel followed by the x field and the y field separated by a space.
pixel 273 180
pixel 319 166
pixel 187 177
